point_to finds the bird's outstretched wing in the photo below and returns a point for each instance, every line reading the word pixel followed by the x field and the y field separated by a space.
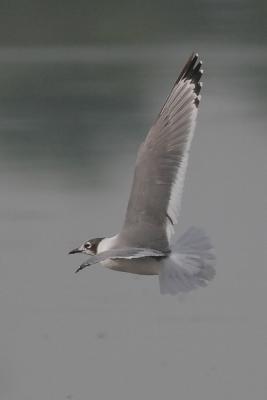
pixel 155 197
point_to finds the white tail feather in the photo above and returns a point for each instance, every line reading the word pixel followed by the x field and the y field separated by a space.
pixel 190 265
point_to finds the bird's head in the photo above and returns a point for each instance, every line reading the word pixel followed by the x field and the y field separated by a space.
pixel 89 247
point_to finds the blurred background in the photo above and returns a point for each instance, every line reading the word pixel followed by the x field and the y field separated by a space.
pixel 80 84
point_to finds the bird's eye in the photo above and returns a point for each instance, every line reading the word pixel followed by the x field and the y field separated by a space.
pixel 88 245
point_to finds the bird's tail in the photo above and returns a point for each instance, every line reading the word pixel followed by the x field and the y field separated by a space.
pixel 190 265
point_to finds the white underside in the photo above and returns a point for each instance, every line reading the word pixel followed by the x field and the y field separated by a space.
pixel 135 266
pixel 139 266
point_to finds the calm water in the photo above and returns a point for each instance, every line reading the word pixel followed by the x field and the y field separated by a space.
pixel 71 120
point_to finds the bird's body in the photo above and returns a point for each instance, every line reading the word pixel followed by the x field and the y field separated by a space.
pixel 141 266
pixel 144 245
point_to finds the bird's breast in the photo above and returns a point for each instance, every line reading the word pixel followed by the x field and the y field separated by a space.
pixel 107 244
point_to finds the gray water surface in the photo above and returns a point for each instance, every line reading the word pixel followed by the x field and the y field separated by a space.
pixel 71 120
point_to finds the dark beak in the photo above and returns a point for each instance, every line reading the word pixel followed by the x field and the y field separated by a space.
pixel 74 251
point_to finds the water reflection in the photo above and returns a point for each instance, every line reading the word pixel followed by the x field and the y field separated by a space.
pixel 81 107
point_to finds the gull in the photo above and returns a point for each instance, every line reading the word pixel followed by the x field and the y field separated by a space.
pixel 145 245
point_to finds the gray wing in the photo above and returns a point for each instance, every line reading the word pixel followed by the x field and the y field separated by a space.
pixel 126 253
pixel 155 197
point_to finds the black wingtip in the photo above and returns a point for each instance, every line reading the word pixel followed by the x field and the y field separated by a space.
pixel 197 101
pixel 193 72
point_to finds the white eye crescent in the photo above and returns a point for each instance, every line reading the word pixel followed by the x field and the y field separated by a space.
pixel 88 245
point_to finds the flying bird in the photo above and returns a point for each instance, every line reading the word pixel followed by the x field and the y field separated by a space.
pixel 144 245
